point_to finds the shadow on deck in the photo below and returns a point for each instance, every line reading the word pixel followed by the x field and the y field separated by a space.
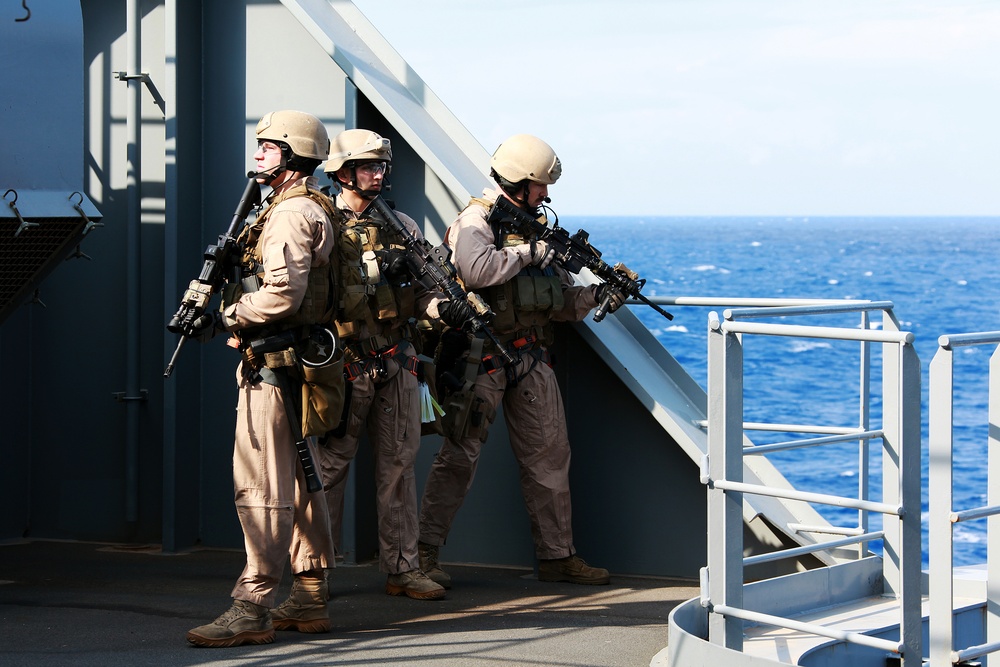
pixel 83 604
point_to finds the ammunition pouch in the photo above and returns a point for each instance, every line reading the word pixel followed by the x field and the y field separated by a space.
pixel 528 299
pixel 538 293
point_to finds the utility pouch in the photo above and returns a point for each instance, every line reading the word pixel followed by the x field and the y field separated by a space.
pixel 353 293
pixel 347 329
pixel 552 289
pixel 534 293
pixel 501 300
pixel 525 296
pixel 466 415
pixel 231 293
pixel 385 302
pixel 322 396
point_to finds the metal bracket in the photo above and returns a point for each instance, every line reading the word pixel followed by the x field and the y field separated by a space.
pixel 24 223
pixel 122 398
pixel 78 254
pixel 144 77
pixel 89 227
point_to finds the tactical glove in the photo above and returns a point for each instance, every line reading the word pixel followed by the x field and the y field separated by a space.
pixel 604 290
pixel 455 313
pixel 205 326
pixel 392 264
pixel 541 254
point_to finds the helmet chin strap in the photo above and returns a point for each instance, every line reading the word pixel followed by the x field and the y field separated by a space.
pixel 522 201
pixel 268 175
pixel 515 189
pixel 364 194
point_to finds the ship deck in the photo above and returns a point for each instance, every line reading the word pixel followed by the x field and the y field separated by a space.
pixel 83 604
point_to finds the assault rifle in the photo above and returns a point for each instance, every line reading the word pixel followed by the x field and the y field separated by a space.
pixel 219 258
pixel 432 268
pixel 573 252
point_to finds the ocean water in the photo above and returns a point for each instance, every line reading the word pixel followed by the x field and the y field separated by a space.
pixel 939 273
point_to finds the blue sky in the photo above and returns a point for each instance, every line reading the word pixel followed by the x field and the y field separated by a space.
pixel 727 107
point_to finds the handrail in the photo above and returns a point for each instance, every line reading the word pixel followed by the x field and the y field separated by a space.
pixel 812 628
pixel 750 302
pixel 800 331
pixel 833 530
pixel 757 450
pixel 811 548
pixel 817 309
pixel 974 513
pixel 942 514
pixel 791 428
pixel 806 496
pixel 950 341
pixel 722 470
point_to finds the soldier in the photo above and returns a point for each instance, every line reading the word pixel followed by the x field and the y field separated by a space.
pixel 527 293
pixel 380 364
pixel 284 291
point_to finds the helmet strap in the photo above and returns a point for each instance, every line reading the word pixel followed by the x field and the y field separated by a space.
pixel 364 194
pixel 517 192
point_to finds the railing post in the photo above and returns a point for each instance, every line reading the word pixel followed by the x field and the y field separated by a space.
pixel 725 508
pixel 864 423
pixel 901 485
pixel 940 504
pixel 993 499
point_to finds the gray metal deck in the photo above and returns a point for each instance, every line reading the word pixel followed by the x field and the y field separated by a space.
pixel 82 604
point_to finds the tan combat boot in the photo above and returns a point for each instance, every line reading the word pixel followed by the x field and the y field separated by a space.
pixel 305 609
pixel 243 623
pixel 414 584
pixel 429 564
pixel 572 569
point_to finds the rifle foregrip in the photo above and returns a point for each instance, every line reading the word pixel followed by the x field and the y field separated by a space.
pixel 602 309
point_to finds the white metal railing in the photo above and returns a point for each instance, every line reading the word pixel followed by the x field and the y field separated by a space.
pixel 943 516
pixel 722 469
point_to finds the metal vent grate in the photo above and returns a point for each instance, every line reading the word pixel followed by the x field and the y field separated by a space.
pixel 31 251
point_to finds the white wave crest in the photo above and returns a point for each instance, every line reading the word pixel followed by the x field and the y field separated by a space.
pixel 805 346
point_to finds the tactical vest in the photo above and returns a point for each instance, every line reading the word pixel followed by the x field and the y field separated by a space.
pixel 524 304
pixel 386 304
pixel 319 305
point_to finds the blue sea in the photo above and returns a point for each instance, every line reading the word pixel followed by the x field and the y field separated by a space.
pixel 939 273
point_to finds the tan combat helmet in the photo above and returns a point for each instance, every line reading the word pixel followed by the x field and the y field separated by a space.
pixel 526 157
pixel 304 134
pixel 357 146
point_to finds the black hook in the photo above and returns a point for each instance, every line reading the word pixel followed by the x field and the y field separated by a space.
pixel 24 3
